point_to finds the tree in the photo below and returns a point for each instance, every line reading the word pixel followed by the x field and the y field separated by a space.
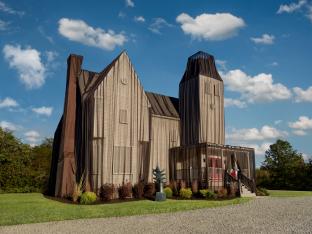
pixel 285 166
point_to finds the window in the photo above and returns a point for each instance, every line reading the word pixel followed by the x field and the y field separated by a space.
pixel 123 116
pixel 216 90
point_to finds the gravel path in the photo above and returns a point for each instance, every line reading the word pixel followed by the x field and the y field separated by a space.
pixel 262 215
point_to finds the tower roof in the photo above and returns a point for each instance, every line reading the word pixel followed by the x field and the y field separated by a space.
pixel 200 63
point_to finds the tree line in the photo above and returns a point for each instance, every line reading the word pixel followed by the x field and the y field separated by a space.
pixel 26 169
pixel 23 168
pixel 284 168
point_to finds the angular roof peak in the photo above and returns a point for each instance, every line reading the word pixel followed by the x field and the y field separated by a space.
pixel 200 63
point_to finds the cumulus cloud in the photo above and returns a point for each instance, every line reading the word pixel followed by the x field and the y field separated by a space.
pixel 234 102
pixel 139 19
pixel 303 123
pixel 299 132
pixel 44 110
pixel 79 31
pixel 265 39
pixel 157 24
pixel 8 102
pixel 259 88
pixel 291 7
pixel 51 56
pixel 260 148
pixel 32 136
pixel 303 95
pixel 277 122
pixel 8 126
pixel 219 26
pixel 28 64
pixel 254 134
pixel 6 9
pixel 129 3
pixel 221 64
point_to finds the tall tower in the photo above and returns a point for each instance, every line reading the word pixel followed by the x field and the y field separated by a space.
pixel 201 101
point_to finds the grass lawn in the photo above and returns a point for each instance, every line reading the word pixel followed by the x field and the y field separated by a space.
pixel 35 208
pixel 288 193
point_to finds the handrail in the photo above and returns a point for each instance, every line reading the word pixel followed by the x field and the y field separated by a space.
pixel 247 182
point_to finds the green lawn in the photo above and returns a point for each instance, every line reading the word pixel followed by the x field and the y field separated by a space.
pixel 35 208
pixel 288 193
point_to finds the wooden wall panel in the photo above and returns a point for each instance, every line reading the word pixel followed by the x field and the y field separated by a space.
pixel 120 93
pixel 165 134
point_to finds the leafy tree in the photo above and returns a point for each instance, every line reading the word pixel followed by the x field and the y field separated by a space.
pixel 23 168
pixel 285 165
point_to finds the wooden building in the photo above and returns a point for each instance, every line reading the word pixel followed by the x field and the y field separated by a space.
pixel 113 131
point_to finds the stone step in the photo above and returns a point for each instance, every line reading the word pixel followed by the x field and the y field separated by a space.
pixel 246 193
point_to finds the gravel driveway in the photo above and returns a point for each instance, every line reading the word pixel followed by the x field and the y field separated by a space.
pixel 262 215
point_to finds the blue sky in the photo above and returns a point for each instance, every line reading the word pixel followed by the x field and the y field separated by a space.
pixel 263 51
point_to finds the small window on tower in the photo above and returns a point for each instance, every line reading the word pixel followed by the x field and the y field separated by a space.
pixel 216 90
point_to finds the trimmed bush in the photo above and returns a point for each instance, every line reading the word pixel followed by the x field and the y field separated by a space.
pixel 186 193
pixel 124 191
pixel 262 192
pixel 87 198
pixel 222 193
pixel 106 192
pixel 149 190
pixel 206 193
pixel 168 192
pixel 138 190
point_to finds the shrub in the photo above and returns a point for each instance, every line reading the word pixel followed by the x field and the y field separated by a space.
pixel 124 191
pixel 262 192
pixel 106 192
pixel 168 192
pixel 222 193
pixel 138 190
pixel 77 189
pixel 206 193
pixel 88 198
pixel 149 190
pixel 186 193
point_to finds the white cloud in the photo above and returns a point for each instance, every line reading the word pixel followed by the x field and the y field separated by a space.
pixel 291 7
pixel 51 56
pixel 265 39
pixel 28 64
pixel 129 3
pixel 32 136
pixel 254 134
pixel 3 25
pixel 277 122
pixel 221 64
pixel 79 31
pixel 8 126
pixel 139 19
pixel 121 14
pixel 260 148
pixel 5 8
pixel 8 102
pixel 217 26
pixel 299 132
pixel 234 102
pixel 259 88
pixel 309 14
pixel 303 95
pixel 44 110
pixel 303 123
pixel 274 64
pixel 157 24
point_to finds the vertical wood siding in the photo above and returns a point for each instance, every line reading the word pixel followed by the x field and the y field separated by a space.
pixel 165 134
pixel 121 123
